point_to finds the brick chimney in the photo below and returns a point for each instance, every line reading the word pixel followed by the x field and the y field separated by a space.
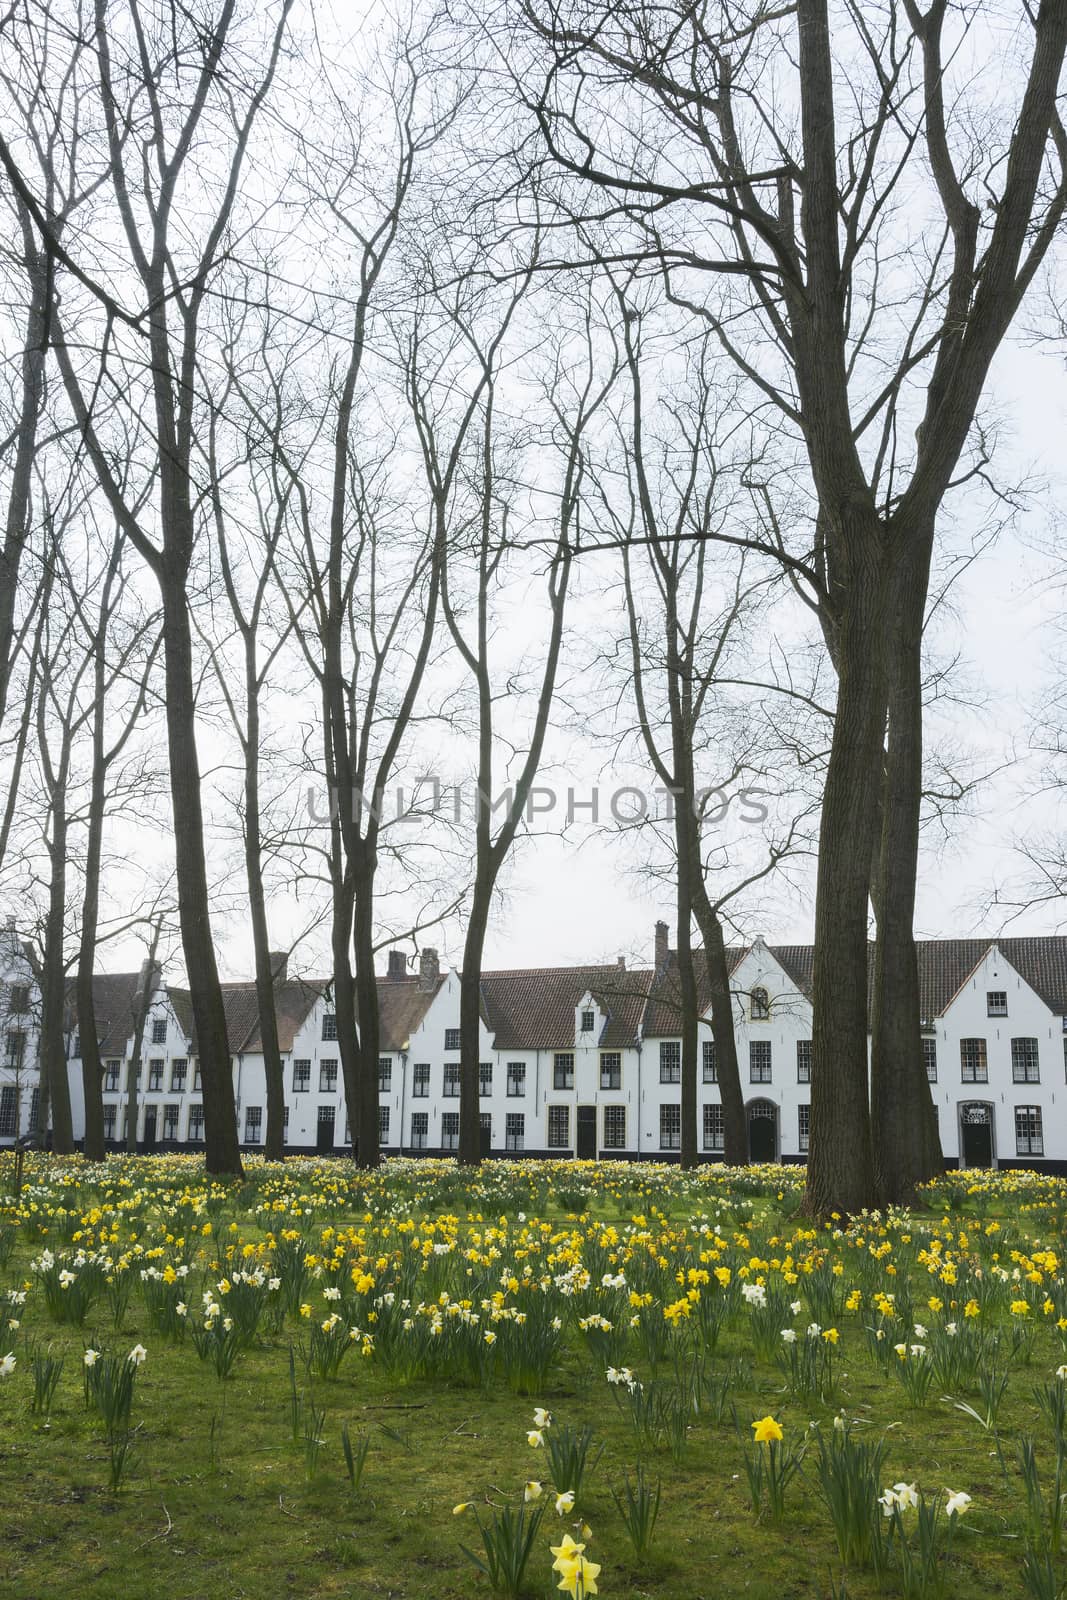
pixel 429 971
pixel 398 964
pixel 662 945
pixel 279 964
pixel 622 963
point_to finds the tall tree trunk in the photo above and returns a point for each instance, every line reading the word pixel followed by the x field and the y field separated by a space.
pixel 32 377
pixel 728 1071
pixel 222 1148
pixel 142 1000
pixel 688 992
pixel 470 1022
pixel 274 1146
pixel 367 1006
pixel 53 999
pixel 907 1149
pixel 840 1157
pixel 92 1066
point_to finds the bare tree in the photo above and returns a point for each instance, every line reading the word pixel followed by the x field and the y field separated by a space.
pixel 580 374
pixel 777 217
pixel 690 606
pixel 178 97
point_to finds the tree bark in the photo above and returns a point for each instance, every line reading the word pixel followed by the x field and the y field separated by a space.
pixel 728 1071
pixel 907 1149
pixel 222 1148
pixel 840 1156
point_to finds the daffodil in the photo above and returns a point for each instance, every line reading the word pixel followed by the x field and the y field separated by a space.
pixel 957 1502
pixel 464 1505
pixel 532 1491
pixel 766 1430
pixel 535 1438
pixel 7 1364
pixel 542 1418
pixel 565 1501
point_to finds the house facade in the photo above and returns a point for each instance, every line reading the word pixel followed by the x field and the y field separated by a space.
pixel 582 1061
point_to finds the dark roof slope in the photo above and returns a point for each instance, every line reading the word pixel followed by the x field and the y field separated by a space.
pixel 945 965
pixel 533 1008
pixel 665 1000
pixel 114 1005
pixel 402 1004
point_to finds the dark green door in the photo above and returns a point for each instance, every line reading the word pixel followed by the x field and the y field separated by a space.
pixel 762 1131
pixel 586 1146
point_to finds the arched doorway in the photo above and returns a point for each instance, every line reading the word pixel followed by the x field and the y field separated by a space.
pixel 976 1134
pixel 762 1130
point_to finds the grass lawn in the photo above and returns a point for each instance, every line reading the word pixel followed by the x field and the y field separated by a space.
pixel 687 1282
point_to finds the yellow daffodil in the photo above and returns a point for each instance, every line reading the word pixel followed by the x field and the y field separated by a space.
pixel 766 1430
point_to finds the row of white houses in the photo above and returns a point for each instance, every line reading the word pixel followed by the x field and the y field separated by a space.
pixel 576 1060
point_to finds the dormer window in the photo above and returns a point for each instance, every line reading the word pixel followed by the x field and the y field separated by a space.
pixel 588 1021
pixel 759 1005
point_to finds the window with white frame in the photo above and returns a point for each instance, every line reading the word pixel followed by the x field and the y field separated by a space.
pixel 611 1069
pixel 110 1113
pixel 516 1079
pixel 559 1127
pixel 803 1128
pixel 329 1026
pixel 159 1030
pixel 170 1121
pixel 563 1069
pixel 327 1077
pixel 485 1078
pixel 179 1069
pixel 383 1125
pixel 588 1021
pixel 759 1005
pixel 711 1066
pixel 614 1127
pixel 485 1123
pixel 155 1074
pixel 301 1077
pixel 15 1048
pixel 452 1039
pixel 714 1132
pixel 18 999
pixel 803 1060
pixel 1029 1138
pixel 420 1129
pixel 9 1111
pixel 1025 1066
pixel 759 1061
pixel 670 1061
pixel 996 1003
pixel 111 1077
pixel 420 1080
pixel 670 1127
pixel 450 1091
pixel 514 1130
pixel 385 1074
pixel 974 1067
pixel 449 1130
pixel 196 1075
pixel 196 1122
pixel 930 1057
pixel 253 1124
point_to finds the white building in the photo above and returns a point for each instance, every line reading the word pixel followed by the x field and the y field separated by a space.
pixel 585 1060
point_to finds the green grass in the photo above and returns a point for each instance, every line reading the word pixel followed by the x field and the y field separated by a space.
pixel 218 1502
